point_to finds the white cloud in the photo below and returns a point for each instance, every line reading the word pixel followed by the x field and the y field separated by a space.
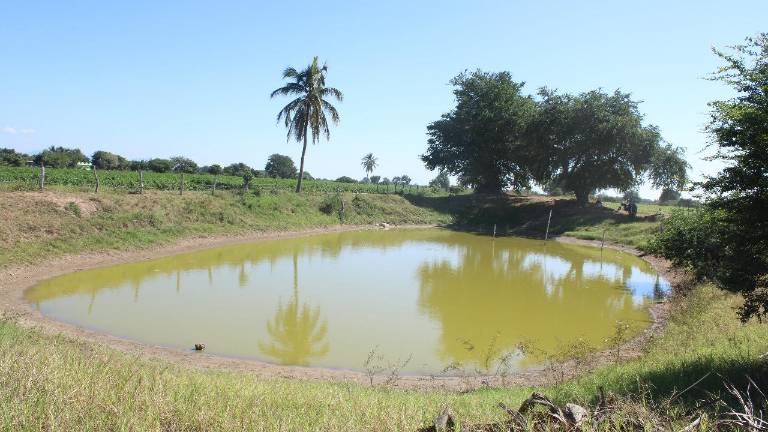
pixel 15 131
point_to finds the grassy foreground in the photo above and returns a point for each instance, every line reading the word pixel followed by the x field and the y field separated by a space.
pixel 56 383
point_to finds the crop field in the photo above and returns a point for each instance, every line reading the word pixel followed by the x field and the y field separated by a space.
pixel 27 178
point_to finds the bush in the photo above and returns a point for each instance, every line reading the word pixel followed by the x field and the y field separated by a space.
pixel 709 242
pixel 346 179
pixel 331 204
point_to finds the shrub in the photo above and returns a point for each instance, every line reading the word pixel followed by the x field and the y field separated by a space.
pixel 716 247
pixel 331 204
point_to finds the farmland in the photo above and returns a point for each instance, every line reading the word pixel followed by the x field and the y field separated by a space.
pixel 27 178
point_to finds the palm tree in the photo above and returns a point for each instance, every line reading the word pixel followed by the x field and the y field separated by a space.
pixel 307 113
pixel 369 162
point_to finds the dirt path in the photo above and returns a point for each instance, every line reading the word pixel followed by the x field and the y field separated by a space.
pixel 15 280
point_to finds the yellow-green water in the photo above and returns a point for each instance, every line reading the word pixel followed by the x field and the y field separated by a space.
pixel 435 296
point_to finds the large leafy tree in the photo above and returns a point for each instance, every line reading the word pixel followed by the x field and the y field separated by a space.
pixel 482 139
pixel 308 113
pixel 727 241
pixel 11 157
pixel 280 166
pixel 739 129
pixel 596 140
pixel 159 165
pixel 109 161
pixel 442 181
pixel 183 164
pixel 369 163
pixel 60 157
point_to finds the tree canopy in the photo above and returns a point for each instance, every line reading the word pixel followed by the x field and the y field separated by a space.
pixel 595 140
pixel 369 163
pixel 280 166
pixel 442 181
pixel 159 165
pixel 183 165
pixel 60 157
pixel 497 138
pixel 109 161
pixel 10 157
pixel 481 139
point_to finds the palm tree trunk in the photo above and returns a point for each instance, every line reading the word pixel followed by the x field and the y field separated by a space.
pixel 301 165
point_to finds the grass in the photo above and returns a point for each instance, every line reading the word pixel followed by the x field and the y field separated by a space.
pixel 53 382
pixel 37 226
pixel 57 383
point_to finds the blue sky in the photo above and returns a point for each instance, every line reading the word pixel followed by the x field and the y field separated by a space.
pixel 156 79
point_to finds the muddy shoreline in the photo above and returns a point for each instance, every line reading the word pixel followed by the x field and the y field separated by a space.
pixel 16 279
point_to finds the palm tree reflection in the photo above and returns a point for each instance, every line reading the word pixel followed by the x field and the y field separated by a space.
pixel 298 334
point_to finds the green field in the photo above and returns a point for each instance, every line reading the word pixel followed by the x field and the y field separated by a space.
pixel 27 178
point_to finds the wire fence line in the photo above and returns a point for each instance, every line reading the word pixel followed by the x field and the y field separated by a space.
pixel 28 178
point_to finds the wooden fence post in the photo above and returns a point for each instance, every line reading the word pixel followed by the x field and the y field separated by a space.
pixel 141 181
pixel 42 176
pixel 546 234
pixel 96 175
pixel 181 185
pixel 215 180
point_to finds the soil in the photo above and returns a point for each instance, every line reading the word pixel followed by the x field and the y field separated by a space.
pixel 15 280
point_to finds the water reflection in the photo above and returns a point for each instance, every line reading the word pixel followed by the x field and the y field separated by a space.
pixel 543 294
pixel 297 332
pixel 327 300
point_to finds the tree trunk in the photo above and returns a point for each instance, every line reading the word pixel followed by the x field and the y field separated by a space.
pixel 301 165
pixel 582 197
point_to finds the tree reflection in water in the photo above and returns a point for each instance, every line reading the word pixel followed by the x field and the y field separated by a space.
pixel 298 334
pixel 504 296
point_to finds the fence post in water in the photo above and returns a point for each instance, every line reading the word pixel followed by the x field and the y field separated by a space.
pixel 42 176
pixel 546 233
pixel 494 230
pixel 141 181
pixel 96 175
pixel 602 243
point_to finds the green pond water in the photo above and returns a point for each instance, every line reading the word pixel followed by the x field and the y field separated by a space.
pixel 435 296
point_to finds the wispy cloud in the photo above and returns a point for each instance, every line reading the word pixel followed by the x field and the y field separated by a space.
pixel 16 131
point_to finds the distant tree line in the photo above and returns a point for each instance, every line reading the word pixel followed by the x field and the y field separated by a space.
pixel 277 166
pixel 499 138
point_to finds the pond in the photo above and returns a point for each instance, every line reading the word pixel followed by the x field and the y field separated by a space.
pixel 430 299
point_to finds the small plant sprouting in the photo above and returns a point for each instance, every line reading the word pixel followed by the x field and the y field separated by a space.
pixel 73 208
pixel 375 364
pixel 620 336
